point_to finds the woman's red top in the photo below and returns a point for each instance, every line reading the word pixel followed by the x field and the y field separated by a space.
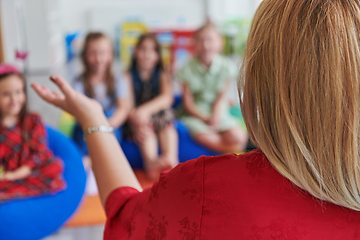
pixel 226 197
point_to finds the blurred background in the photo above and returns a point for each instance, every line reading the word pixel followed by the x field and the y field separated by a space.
pixel 52 30
pixel 46 36
pixel 43 37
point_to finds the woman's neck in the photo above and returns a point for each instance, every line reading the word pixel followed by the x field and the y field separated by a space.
pixel 9 121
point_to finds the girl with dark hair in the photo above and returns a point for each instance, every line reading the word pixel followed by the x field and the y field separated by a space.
pixel 28 167
pixel 151 119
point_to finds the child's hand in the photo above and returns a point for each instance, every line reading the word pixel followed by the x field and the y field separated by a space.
pixel 87 111
pixel 139 117
pixel 213 121
pixel 18 174
pixel 9 176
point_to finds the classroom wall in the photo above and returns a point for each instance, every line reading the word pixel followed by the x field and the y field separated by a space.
pixel 222 10
pixel 106 15
pixel 10 32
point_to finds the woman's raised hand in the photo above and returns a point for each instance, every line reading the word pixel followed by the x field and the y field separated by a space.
pixel 88 112
pixel 111 168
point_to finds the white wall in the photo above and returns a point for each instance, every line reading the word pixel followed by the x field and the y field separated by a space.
pixel 10 31
pixel 222 10
pixel 44 34
pixel 106 15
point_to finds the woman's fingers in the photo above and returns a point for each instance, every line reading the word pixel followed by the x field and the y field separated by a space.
pixel 43 92
pixel 62 84
pixel 54 98
pixel 85 110
pixel 58 95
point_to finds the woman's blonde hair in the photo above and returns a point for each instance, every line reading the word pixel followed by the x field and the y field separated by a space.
pixel 300 96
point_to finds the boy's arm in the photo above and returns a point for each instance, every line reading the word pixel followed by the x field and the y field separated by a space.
pixel 216 107
pixel 219 98
pixel 189 104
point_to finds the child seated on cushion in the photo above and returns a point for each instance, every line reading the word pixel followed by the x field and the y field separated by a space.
pixel 99 82
pixel 151 120
pixel 28 167
pixel 205 81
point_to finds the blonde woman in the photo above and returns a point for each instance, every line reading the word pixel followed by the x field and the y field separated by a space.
pixel 300 94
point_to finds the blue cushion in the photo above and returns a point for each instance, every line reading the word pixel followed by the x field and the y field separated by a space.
pixel 38 217
pixel 188 148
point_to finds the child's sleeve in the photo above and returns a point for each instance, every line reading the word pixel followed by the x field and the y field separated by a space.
pixel 79 87
pixel 188 75
pixel 177 195
pixel 122 88
pixel 231 70
pixel 183 74
pixel 36 151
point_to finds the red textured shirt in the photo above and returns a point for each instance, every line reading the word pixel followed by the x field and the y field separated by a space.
pixel 226 197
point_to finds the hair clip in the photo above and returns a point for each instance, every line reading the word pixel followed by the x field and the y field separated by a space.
pixel 6 69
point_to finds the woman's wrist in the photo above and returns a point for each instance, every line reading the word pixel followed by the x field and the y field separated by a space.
pixel 94 122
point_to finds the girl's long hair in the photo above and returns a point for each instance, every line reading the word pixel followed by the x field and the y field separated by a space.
pixel 24 110
pixel 300 94
pixel 110 81
pixel 142 38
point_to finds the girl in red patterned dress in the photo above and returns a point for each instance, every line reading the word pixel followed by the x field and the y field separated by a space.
pixel 28 167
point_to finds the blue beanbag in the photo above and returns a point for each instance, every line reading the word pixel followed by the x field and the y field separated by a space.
pixel 188 148
pixel 37 217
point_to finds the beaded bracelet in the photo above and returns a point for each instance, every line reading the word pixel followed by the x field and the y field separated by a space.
pixel 104 129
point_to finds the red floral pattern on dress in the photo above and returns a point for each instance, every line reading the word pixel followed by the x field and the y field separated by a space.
pixel 156 229
pixel 278 229
pixel 191 193
pixel 189 231
pixel 129 226
pixel 158 186
pixel 16 152
pixel 226 197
